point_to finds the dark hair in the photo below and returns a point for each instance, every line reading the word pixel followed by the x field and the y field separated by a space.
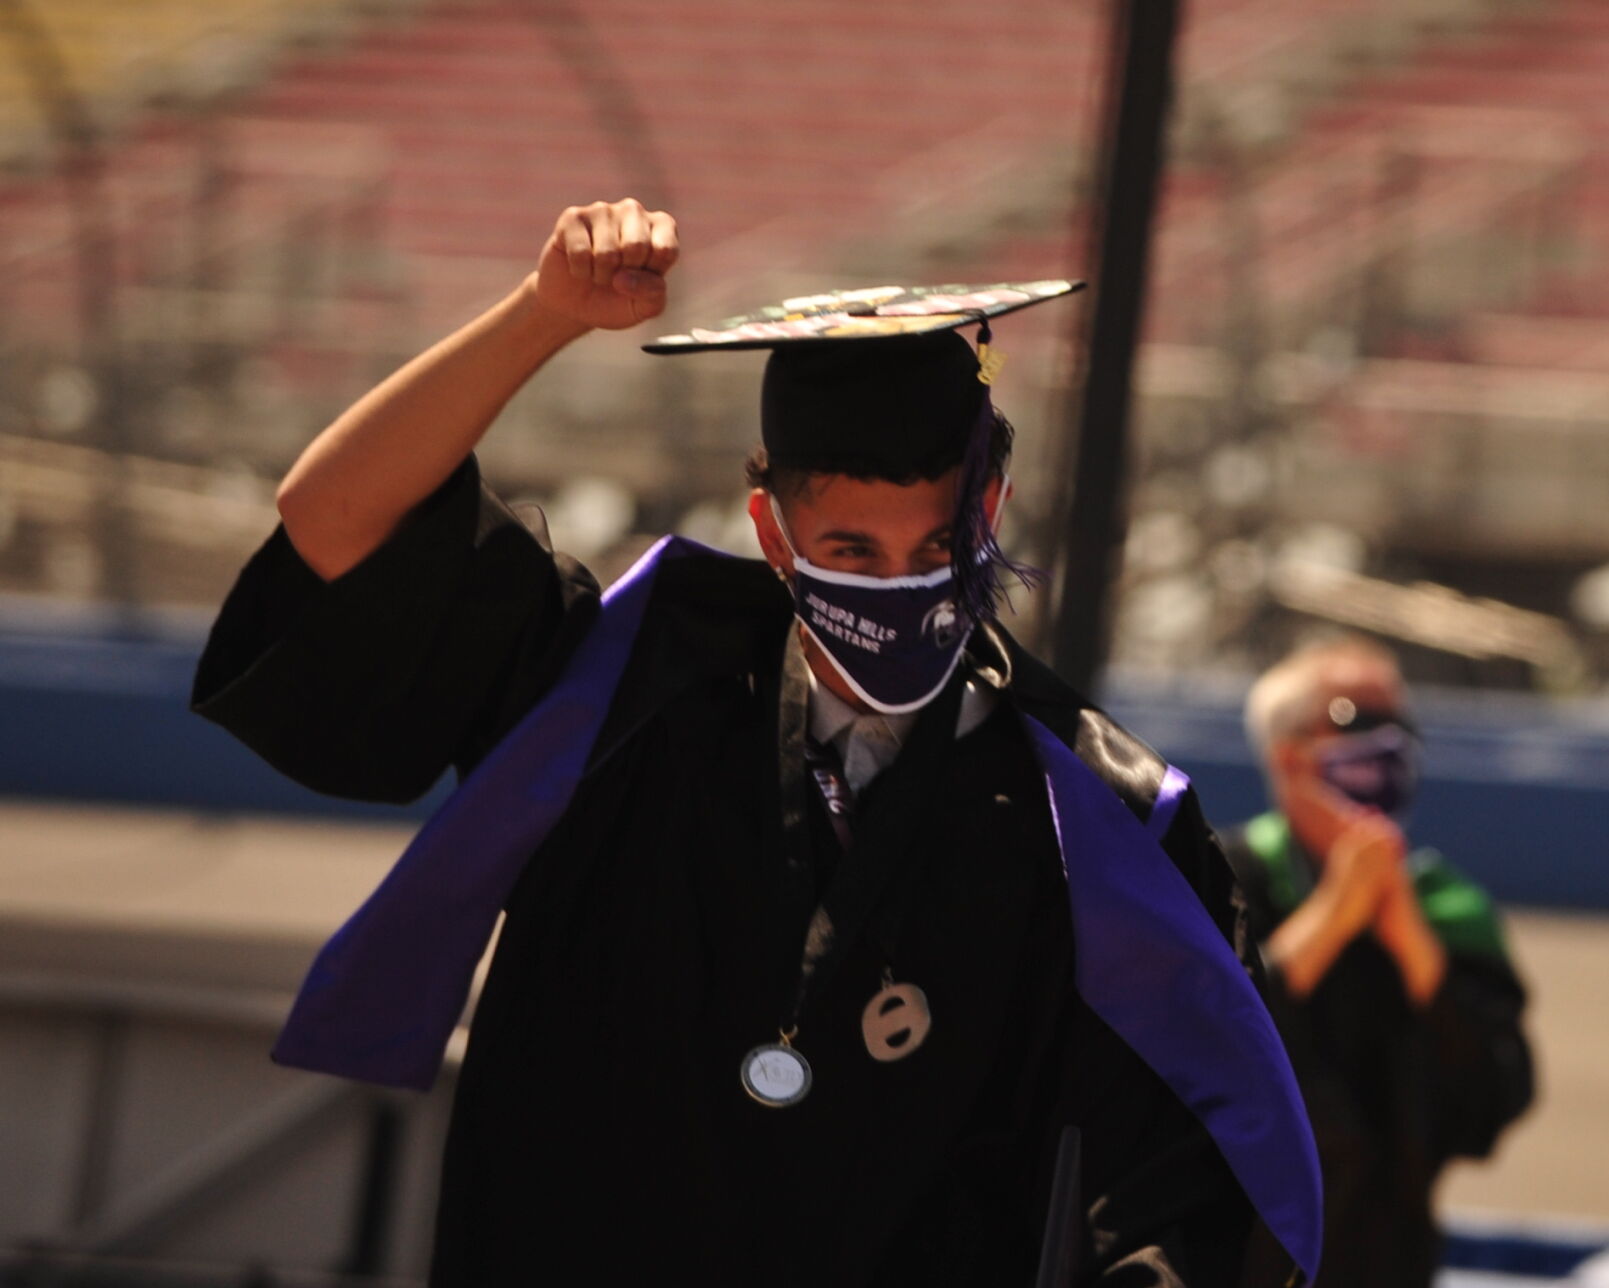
pixel 791 477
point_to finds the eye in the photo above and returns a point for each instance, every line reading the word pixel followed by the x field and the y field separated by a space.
pixel 853 551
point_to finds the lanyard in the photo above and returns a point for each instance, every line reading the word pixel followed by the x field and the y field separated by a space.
pixel 896 1019
pixel 880 849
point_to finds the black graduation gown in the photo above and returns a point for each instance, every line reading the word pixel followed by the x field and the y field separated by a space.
pixel 600 1133
pixel 1394 1091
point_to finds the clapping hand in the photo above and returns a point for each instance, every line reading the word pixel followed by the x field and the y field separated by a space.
pixel 1364 885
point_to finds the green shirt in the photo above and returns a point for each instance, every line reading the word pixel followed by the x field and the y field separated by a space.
pixel 1458 910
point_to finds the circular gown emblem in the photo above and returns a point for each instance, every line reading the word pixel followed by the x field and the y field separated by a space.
pixel 895 1022
pixel 776 1075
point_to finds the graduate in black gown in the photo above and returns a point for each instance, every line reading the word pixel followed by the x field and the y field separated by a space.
pixel 788 990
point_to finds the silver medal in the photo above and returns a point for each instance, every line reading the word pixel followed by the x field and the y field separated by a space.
pixel 896 1021
pixel 776 1075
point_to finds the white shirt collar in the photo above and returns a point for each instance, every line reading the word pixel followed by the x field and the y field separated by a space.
pixel 868 741
pixel 831 718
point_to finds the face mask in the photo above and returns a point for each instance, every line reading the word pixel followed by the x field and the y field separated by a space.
pixel 894 640
pixel 1378 769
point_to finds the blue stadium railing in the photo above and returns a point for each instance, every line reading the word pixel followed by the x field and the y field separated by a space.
pixel 1515 790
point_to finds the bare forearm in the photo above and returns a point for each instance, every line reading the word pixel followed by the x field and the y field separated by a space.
pixel 1413 945
pixel 1305 945
pixel 604 265
pixel 361 477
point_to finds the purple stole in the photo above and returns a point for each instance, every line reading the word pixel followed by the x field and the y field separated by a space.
pixel 385 993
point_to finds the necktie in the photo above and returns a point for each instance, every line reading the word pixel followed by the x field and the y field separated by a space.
pixel 869 749
pixel 828 774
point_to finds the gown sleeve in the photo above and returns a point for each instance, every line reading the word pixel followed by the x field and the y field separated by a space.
pixel 416 660
pixel 1197 852
pixel 1479 1075
pixel 1162 1208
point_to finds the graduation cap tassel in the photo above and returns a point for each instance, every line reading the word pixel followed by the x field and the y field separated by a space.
pixel 975 552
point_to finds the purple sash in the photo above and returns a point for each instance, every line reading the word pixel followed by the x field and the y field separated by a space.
pixel 385 993
pixel 1151 963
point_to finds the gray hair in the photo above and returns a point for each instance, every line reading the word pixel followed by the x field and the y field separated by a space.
pixel 1284 699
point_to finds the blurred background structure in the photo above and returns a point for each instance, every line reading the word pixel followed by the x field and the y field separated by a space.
pixel 1373 390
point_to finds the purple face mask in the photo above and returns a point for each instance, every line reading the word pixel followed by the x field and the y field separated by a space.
pixel 1379 768
pixel 894 640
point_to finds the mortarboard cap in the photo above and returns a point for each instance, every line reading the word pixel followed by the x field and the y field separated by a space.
pixel 869 313
pixel 896 409
pixel 872 313
pixel 877 382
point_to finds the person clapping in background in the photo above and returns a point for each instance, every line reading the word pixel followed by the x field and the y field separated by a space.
pixel 1389 978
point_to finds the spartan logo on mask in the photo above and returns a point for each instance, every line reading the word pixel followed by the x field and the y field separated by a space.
pixel 943 624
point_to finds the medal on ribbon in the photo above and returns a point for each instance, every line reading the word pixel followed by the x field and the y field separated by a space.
pixel 775 1074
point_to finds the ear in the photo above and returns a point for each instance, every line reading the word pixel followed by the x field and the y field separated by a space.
pixel 1290 758
pixel 772 545
pixel 1291 771
pixel 1281 768
pixel 995 495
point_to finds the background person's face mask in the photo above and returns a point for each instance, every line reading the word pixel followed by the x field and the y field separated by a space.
pixel 1378 769
pixel 894 640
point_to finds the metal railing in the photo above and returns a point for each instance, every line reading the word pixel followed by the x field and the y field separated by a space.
pixel 120 1231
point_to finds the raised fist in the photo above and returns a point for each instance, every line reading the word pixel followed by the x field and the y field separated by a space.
pixel 605 264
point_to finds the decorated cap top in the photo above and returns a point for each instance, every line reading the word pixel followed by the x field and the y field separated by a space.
pixel 866 313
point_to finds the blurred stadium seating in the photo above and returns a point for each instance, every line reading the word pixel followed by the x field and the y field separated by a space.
pixel 291 197
pixel 1386 324
pixel 123 57
pixel 287 198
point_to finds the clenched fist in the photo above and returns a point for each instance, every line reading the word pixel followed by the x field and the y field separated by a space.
pixel 605 265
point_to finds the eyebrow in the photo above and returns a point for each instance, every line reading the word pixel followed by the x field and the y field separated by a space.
pixel 866 538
